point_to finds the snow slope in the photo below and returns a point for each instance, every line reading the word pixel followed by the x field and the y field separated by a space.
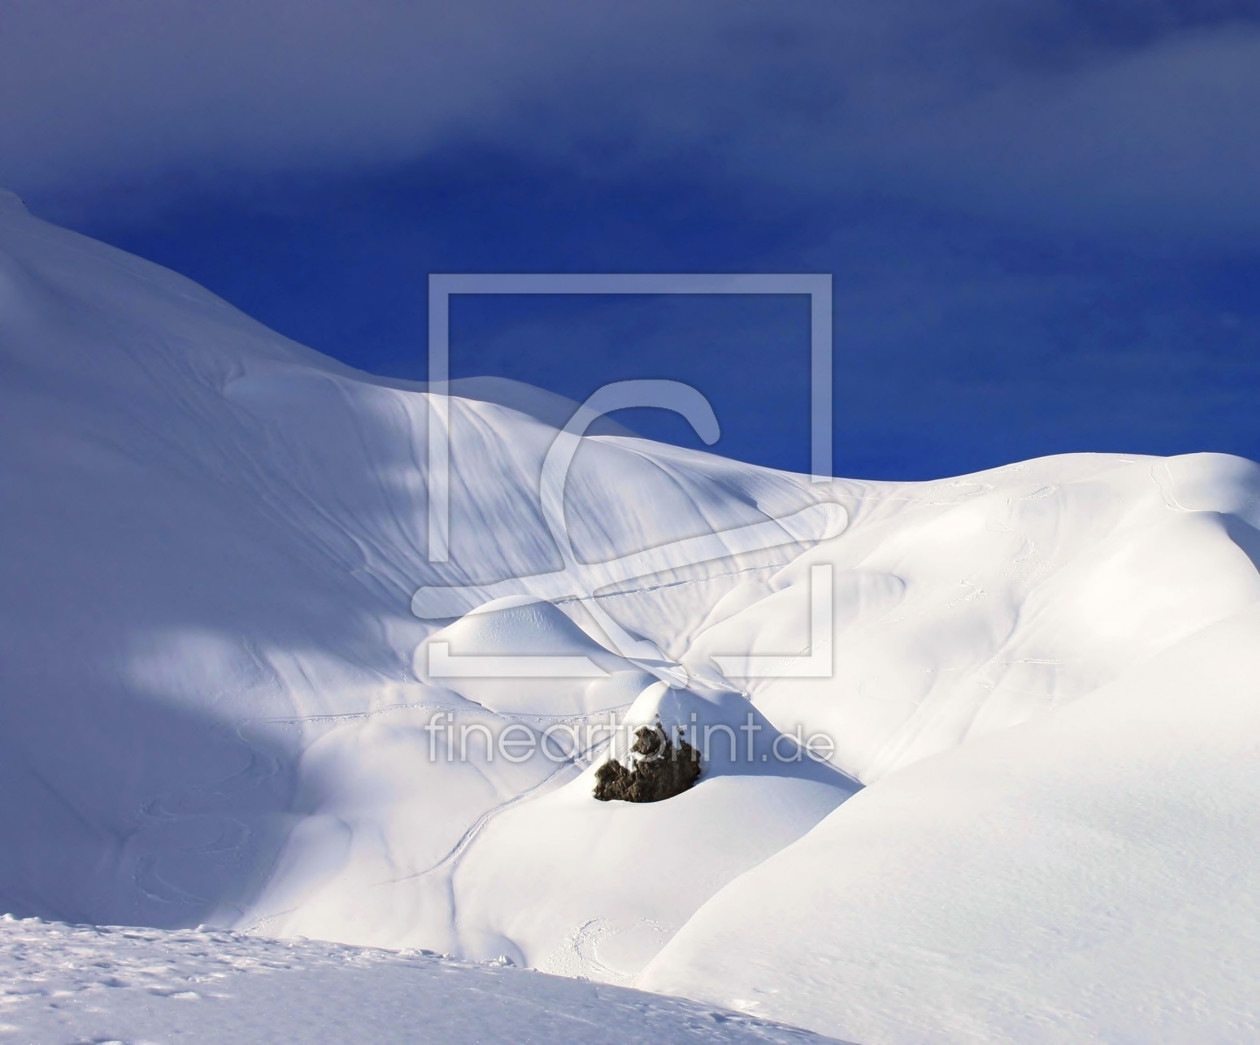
pixel 81 983
pixel 229 669
pixel 1087 878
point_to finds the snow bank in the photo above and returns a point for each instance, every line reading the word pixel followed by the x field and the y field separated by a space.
pixel 78 983
pixel 232 680
pixel 1087 877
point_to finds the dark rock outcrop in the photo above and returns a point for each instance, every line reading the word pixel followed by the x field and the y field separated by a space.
pixel 660 769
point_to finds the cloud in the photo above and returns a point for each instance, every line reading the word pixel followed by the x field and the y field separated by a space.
pixel 1160 137
pixel 1119 112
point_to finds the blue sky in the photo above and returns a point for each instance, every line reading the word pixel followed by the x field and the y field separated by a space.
pixel 1043 219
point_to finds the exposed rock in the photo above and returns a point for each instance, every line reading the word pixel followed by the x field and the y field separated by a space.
pixel 660 768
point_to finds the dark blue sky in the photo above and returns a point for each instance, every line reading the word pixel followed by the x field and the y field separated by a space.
pixel 1044 224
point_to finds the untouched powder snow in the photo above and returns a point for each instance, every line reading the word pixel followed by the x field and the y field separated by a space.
pixel 236 692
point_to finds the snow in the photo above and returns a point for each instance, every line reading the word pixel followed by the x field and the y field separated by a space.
pixel 232 681
pixel 1089 877
pixel 65 983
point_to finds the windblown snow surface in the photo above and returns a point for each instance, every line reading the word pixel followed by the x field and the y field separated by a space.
pixel 84 983
pixel 228 666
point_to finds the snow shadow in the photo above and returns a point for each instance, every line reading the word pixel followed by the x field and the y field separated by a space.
pixel 1246 536
pixel 124 809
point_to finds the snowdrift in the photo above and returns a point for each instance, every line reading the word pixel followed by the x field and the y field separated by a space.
pixel 237 692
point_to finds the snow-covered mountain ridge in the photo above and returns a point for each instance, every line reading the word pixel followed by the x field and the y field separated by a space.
pixel 219 707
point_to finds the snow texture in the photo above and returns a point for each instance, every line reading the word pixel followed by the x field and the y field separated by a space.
pixel 67 983
pixel 226 657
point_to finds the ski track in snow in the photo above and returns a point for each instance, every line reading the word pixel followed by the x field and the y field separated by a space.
pixel 450 861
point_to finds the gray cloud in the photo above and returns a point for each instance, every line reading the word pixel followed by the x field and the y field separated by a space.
pixel 1127 112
